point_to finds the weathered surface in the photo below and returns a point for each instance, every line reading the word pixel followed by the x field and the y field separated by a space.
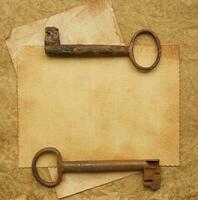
pixel 53 47
pixel 174 22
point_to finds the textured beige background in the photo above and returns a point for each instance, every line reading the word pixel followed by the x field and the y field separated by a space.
pixel 175 22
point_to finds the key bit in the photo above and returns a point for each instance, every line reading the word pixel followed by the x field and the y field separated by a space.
pixel 150 168
pixel 53 47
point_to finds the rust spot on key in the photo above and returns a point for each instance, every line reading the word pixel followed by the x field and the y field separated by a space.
pixel 54 48
pixel 150 168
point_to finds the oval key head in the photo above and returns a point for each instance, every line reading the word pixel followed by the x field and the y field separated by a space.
pixel 131 49
pixel 35 170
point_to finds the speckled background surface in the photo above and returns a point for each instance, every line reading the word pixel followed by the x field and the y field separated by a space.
pixel 176 22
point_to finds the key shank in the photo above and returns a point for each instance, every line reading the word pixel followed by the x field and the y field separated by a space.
pixel 87 50
pixel 103 166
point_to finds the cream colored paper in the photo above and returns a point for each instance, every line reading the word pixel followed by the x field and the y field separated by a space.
pixel 73 184
pixel 99 108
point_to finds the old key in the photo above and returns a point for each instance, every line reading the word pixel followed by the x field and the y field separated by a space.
pixel 151 168
pixel 54 48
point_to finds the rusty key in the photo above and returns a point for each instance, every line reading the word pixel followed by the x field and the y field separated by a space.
pixel 54 48
pixel 150 168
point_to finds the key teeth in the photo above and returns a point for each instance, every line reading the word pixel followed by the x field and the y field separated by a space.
pixel 152 177
pixel 52 36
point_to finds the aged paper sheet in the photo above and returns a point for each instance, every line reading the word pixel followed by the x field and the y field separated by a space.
pixel 73 183
pixel 98 108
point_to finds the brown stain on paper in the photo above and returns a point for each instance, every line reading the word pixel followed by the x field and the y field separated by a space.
pixel 172 51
